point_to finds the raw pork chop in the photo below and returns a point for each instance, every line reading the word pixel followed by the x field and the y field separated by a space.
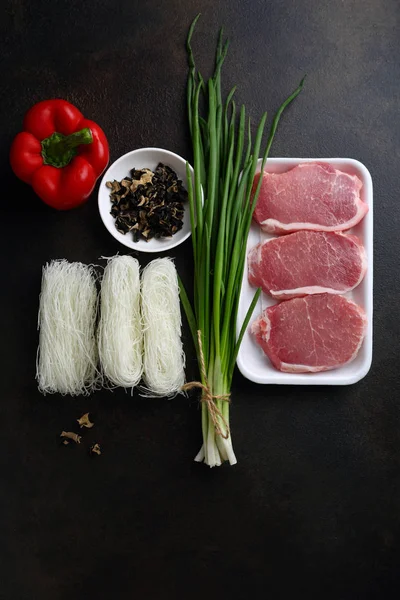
pixel 307 262
pixel 310 334
pixel 310 196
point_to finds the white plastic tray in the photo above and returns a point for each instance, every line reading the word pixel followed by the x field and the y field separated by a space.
pixel 252 361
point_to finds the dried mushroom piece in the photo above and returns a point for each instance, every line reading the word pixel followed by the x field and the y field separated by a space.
pixel 149 205
pixel 70 435
pixel 140 178
pixel 95 449
pixel 114 186
pixel 84 421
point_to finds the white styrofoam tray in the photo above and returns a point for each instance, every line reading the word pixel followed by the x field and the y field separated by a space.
pixel 252 361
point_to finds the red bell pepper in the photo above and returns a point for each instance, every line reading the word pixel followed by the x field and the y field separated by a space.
pixel 60 153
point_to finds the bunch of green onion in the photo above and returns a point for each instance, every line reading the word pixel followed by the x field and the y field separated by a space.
pixel 225 162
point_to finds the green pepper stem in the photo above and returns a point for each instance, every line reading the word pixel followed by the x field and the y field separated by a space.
pixel 58 150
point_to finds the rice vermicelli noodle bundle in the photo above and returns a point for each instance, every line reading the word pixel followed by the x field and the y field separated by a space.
pixel 67 354
pixel 164 359
pixel 120 338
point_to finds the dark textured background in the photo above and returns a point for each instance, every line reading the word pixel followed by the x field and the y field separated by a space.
pixel 312 510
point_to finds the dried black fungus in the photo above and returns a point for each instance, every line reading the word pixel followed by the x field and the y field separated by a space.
pixel 84 421
pixel 95 449
pixel 150 205
pixel 70 435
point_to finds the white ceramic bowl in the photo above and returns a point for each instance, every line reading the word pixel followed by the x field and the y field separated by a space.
pixel 140 159
pixel 251 360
